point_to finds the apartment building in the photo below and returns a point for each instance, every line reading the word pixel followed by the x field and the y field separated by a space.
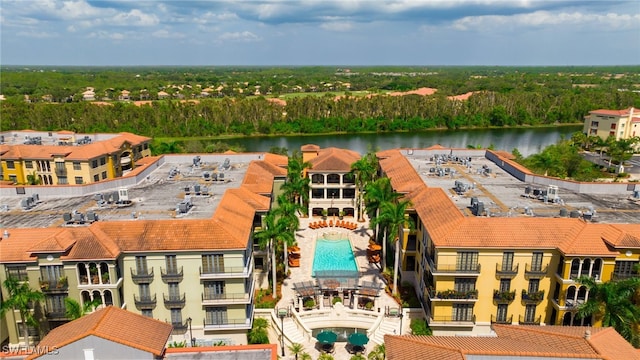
pixel 64 157
pixel 332 187
pixel 621 124
pixel 196 274
pixel 471 272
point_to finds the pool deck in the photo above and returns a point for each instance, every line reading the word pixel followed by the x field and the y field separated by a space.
pixel 359 238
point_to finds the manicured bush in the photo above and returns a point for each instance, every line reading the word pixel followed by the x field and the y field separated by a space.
pixel 420 327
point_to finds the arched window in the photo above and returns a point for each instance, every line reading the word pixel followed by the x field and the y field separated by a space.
pixel 333 179
pixel 586 267
pixel 317 179
pixel 582 294
pixel 571 295
pixel 83 275
pixel 566 319
pixel 575 268
pixel 104 273
pixel 97 297
pixel 108 298
pixel 597 269
pixel 86 297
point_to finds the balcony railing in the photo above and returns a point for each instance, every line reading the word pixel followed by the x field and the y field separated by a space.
pixel 172 302
pixel 505 320
pixel 622 276
pixel 145 302
pixel 467 319
pixel 506 272
pixel 55 313
pixel 532 297
pixel 231 323
pixel 453 295
pixel 54 286
pixel 142 277
pixel 226 271
pixel 531 321
pixel 226 297
pixel 179 328
pixel 503 297
pixel 171 275
pixel 61 171
pixel 455 269
pixel 535 271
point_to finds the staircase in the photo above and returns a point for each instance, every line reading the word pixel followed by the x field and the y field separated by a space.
pixel 387 326
pixel 292 333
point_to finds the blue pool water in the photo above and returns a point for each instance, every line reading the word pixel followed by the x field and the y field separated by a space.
pixel 335 255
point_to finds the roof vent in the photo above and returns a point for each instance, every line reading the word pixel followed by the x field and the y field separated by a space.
pixel 587 334
pixel 5 234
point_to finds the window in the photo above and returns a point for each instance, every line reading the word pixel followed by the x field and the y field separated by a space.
pixel 348 193
pixel 13 178
pixel 507 261
pixel 213 289
pixel 213 263
pixel 216 316
pixel 467 261
pixel 501 315
pixel 148 313
pixel 174 291
pixel 51 273
pixel 411 263
pixel 258 263
pixel 505 285
pixel 462 312
pixel 11 164
pixel 172 264
pixel 145 292
pixel 536 261
pixel 534 285
pixel 464 284
pixel 333 193
pixel 79 180
pixel 28 164
pixel 613 126
pixel 55 304
pixel 104 175
pixel 62 180
pixel 18 272
pixel 103 160
pixel 349 178
pixel 623 269
pixel 176 316
pixel 317 179
pixel 96 178
pixel 76 165
pixel 141 265
pixel 530 313
pixel 317 193
pixel 94 164
pixel 594 124
pixel 333 179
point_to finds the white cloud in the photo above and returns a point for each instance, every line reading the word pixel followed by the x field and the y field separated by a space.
pixel 135 17
pixel 37 34
pixel 337 26
pixel 166 34
pixel 546 18
pixel 239 36
pixel 106 35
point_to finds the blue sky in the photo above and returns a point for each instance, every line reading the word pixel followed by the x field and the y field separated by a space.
pixel 310 32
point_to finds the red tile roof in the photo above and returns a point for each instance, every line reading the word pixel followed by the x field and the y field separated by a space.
pixel 333 159
pixel 623 112
pixel 113 324
pixel 260 175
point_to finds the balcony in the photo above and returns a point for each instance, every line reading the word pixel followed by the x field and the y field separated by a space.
pixel 533 297
pixel 61 172
pixel 502 272
pixel 501 320
pixel 179 328
pixel 455 270
pixel 214 299
pixel 227 272
pixel 464 320
pixel 530 321
pixel 535 271
pixel 56 314
pixel 145 302
pixel 173 302
pixel 227 324
pixel 142 277
pixel 171 275
pixel 453 295
pixel 623 276
pixel 54 286
pixel 503 297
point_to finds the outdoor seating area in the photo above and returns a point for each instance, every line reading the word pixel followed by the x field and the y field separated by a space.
pixel 339 224
pixel 294 256
pixel 373 253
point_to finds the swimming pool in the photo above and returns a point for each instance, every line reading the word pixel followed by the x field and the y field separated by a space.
pixel 334 255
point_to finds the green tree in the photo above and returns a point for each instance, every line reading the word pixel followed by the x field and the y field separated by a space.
pixel 258 333
pixel 286 213
pixel 296 349
pixel 296 186
pixel 73 309
pixel 271 232
pixel 21 298
pixel 420 327
pixel 616 303
pixel 33 179
pixel 378 353
pixel 325 357
pixel 378 193
pixel 364 172
pixel 393 214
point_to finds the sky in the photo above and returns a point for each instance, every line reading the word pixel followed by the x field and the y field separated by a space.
pixel 311 32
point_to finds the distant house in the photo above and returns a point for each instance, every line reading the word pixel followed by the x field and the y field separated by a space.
pixel 109 333
pixel 89 95
pixel 162 95
pixel 621 124
pixel 124 95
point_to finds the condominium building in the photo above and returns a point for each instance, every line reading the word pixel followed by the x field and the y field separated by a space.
pixel 195 274
pixel 64 157
pixel 332 186
pixel 621 124
pixel 471 272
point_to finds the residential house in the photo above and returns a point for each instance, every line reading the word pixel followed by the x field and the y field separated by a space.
pixel 621 124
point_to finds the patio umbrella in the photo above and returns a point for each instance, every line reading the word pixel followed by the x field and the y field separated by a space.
pixel 327 337
pixel 358 339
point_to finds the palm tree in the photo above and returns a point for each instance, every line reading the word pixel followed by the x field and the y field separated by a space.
pixel 364 172
pixel 275 231
pixel 296 186
pixel 73 309
pixel 616 303
pixel 21 298
pixel 305 356
pixel 376 194
pixel 286 212
pixel 296 349
pixel 393 214
pixel 378 353
pixel 325 357
pixel 358 357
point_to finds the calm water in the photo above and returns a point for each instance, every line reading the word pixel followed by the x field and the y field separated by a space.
pixel 528 141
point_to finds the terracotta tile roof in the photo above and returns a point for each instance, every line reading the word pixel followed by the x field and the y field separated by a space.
pixel 333 159
pixel 437 211
pixel 514 340
pixel 624 112
pixel 309 147
pixel 15 247
pixel 234 216
pixel 92 244
pixel 626 236
pixel 260 175
pixel 56 243
pixel 140 332
pixel 508 158
pixel 277 160
pixel 404 178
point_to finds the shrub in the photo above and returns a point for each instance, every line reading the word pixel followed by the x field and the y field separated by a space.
pixel 309 303
pixel 336 300
pixel 368 305
pixel 420 327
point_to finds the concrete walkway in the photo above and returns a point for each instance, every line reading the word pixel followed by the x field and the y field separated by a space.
pixel 368 272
